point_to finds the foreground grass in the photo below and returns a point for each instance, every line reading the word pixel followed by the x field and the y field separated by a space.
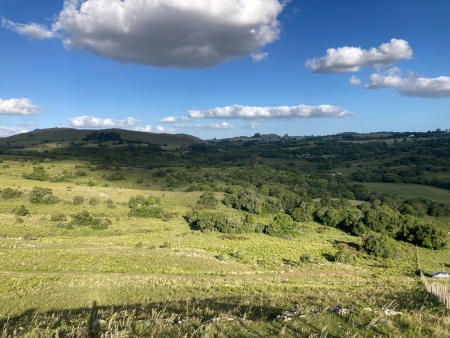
pixel 167 306
pixel 159 277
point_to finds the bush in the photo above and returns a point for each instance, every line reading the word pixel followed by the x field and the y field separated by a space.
pixel 145 207
pixel 10 193
pixel 208 220
pixel 77 200
pixel 208 199
pixel 110 203
pixel 21 211
pixel 58 218
pixel 84 218
pixel 380 246
pixel 94 201
pixel 42 195
pixel 38 174
pixel 282 226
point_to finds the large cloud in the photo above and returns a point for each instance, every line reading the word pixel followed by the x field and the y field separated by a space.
pixel 281 112
pixel 351 59
pixel 95 122
pixel 164 33
pixel 22 107
pixel 411 85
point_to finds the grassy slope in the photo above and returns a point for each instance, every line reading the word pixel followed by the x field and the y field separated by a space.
pixel 145 274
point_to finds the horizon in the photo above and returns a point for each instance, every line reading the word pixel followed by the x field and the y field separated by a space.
pixel 226 69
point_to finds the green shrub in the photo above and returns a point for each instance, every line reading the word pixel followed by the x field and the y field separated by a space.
pixel 21 211
pixel 145 207
pixel 38 174
pixel 208 199
pixel 380 245
pixel 117 176
pixel 10 193
pixel 85 218
pixel 42 195
pixel 209 220
pixel 346 257
pixel 282 226
pixel 77 200
pixel 58 218
pixel 80 173
pixel 94 201
pixel 110 203
pixel 82 218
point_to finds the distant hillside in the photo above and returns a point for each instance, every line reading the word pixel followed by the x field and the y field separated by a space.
pixel 68 135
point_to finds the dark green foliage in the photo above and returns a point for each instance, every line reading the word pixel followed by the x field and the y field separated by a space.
pixel 80 173
pixel 425 235
pixel 210 220
pixel 77 200
pixel 380 246
pixel 21 211
pixel 85 218
pixel 110 203
pixel 383 220
pixel 117 176
pixel 94 201
pixel 344 256
pixel 208 199
pixel 252 201
pixel 145 207
pixel 102 136
pixel 282 226
pixel 10 193
pixel 42 195
pixel 38 174
pixel 58 218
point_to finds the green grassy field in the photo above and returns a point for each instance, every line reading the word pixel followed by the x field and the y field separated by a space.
pixel 411 191
pixel 143 277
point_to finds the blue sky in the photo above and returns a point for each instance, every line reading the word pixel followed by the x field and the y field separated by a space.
pixel 224 68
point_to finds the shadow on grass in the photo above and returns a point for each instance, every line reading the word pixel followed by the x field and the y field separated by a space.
pixel 246 316
pixel 160 318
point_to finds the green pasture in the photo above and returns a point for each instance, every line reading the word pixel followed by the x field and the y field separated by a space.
pixel 144 277
pixel 411 191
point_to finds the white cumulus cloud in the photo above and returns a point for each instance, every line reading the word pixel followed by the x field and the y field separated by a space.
pixel 280 112
pixel 95 122
pixel 351 59
pixel 9 131
pixel 164 33
pixel 410 85
pixel 169 119
pixel 21 106
pixel 222 125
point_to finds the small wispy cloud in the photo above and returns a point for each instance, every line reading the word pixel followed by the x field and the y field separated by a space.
pixel 23 107
pixel 260 56
pixel 33 30
pixel 352 59
pixel 410 85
